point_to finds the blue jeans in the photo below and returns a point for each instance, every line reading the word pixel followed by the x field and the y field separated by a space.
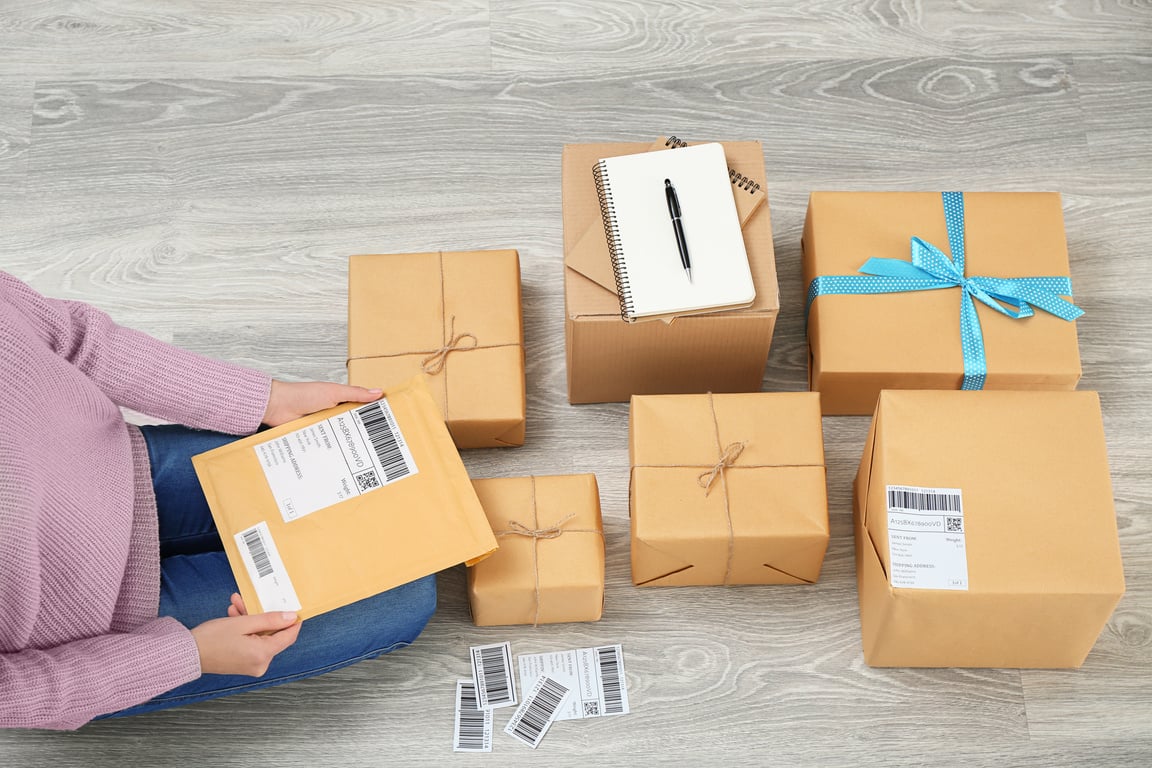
pixel 196 582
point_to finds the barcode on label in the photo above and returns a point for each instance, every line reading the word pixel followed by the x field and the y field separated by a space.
pixel 611 661
pixel 924 499
pixel 381 434
pixel 492 673
pixel 473 725
pixel 265 568
pixel 531 720
pixel 255 543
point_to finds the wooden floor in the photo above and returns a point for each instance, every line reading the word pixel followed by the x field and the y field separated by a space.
pixel 202 169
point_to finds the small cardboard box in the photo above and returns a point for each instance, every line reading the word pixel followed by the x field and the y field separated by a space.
pixel 1001 529
pixel 344 504
pixel 860 344
pixel 453 316
pixel 550 565
pixel 610 359
pixel 727 489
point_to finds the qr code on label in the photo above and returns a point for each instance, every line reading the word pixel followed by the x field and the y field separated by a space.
pixel 591 709
pixel 954 524
pixel 367 480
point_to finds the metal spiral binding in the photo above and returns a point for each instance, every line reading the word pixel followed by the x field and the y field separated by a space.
pixel 743 182
pixel 612 233
pixel 739 180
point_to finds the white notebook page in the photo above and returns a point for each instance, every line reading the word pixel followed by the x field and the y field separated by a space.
pixel 721 277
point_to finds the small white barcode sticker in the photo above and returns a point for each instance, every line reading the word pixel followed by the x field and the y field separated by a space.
pixel 347 455
pixel 492 673
pixel 266 569
pixel 926 538
pixel 532 718
pixel 595 676
pixel 473 732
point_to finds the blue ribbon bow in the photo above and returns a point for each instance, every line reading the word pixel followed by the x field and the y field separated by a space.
pixel 931 269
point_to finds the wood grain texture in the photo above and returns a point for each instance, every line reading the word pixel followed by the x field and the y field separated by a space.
pixel 202 172
pixel 204 38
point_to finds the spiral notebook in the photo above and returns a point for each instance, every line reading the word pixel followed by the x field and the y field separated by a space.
pixel 650 278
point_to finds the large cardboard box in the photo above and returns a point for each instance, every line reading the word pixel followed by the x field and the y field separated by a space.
pixel 344 504
pixel 453 317
pixel 550 565
pixel 609 359
pixel 727 489
pixel 860 344
pixel 985 530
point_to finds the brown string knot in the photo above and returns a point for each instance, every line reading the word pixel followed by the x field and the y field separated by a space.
pixel 434 363
pixel 727 460
pixel 553 532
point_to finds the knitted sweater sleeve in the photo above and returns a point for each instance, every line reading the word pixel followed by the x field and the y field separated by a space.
pixel 62 688
pixel 142 373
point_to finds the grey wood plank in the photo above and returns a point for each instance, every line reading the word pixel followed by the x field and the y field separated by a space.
pixel 610 35
pixel 15 135
pixel 190 38
pixel 1117 96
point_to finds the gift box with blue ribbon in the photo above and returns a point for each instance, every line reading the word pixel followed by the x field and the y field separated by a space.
pixel 930 290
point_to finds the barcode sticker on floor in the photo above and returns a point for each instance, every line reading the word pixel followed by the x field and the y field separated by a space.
pixel 347 455
pixel 594 675
pixel 534 716
pixel 473 732
pixel 492 673
pixel 269 576
pixel 926 539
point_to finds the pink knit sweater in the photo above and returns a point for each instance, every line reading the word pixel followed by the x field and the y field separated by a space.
pixel 79 556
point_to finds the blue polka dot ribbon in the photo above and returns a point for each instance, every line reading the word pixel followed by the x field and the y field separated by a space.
pixel 931 269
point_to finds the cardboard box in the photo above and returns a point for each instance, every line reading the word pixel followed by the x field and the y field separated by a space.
pixel 453 316
pixel 550 566
pixel 345 504
pixel 609 359
pixel 1034 540
pixel 860 344
pixel 727 489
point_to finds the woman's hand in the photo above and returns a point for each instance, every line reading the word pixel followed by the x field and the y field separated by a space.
pixel 291 400
pixel 242 644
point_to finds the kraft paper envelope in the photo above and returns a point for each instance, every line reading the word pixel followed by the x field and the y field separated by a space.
pixel 344 504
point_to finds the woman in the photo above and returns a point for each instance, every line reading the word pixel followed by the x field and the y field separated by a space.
pixel 114 589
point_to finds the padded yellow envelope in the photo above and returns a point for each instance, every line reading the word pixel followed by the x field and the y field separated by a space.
pixel 344 504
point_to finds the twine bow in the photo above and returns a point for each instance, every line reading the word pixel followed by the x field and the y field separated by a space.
pixel 519 529
pixel 727 460
pixel 434 363
pixel 516 528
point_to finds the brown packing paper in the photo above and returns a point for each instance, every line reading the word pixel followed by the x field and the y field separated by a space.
pixel 727 489
pixel 608 359
pixel 862 344
pixel 368 543
pixel 453 316
pixel 550 565
pixel 1043 555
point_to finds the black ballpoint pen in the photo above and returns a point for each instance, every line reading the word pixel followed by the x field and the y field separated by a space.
pixel 677 227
